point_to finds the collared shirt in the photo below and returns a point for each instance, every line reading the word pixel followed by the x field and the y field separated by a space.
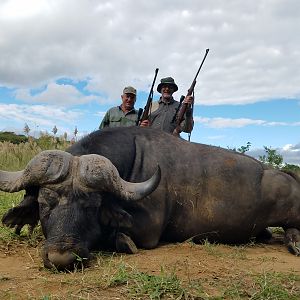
pixel 163 117
pixel 115 117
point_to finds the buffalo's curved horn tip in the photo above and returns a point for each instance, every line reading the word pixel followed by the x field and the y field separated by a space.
pixel 49 166
pixel 98 173
pixel 11 181
pixel 137 191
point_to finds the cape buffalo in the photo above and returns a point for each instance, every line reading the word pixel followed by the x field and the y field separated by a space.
pixel 107 191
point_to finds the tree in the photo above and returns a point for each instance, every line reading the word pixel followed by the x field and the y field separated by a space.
pixel 242 149
pixel 272 158
pixel 291 167
pixel 26 129
pixel 54 130
pixel 6 136
pixel 75 132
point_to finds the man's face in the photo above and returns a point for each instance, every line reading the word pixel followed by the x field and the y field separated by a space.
pixel 167 91
pixel 128 101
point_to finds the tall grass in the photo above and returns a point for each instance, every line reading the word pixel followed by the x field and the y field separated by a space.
pixel 14 157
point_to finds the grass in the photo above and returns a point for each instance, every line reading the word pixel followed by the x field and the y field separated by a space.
pixel 165 285
pixel 276 286
pixel 13 158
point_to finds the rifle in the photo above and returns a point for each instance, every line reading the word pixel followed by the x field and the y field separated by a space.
pixel 180 113
pixel 148 105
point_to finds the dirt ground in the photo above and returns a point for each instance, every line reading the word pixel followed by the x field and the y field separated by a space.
pixel 22 275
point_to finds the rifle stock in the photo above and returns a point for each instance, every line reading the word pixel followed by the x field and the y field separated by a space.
pixel 148 105
pixel 184 106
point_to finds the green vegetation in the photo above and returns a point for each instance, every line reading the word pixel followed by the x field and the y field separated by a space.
pixel 144 286
pixel 6 136
pixel 272 158
pixel 242 149
pixel 268 285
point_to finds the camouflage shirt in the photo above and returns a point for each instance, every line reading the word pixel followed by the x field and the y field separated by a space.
pixel 163 116
pixel 115 117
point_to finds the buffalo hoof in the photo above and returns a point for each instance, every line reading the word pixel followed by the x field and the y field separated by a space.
pixel 21 215
pixel 125 244
pixel 292 240
pixel 265 235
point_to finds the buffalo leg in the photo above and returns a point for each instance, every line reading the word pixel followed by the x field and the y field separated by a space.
pixel 27 212
pixel 265 235
pixel 125 244
pixel 292 240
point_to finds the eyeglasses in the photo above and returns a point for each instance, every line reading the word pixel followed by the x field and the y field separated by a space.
pixel 167 86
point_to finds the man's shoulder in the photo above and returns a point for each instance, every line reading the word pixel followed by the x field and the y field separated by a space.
pixel 155 106
pixel 114 111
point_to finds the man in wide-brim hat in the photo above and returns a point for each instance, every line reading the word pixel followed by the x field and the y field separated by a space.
pixel 163 113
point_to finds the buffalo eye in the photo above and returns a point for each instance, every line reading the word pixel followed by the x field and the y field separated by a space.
pixel 48 198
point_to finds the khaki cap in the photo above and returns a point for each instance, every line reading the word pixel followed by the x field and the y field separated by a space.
pixel 129 90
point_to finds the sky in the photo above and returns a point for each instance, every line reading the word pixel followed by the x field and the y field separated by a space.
pixel 64 63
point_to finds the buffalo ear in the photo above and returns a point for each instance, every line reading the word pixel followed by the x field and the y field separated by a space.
pixel 115 216
pixel 27 212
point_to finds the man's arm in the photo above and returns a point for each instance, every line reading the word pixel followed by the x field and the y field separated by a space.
pixel 105 121
pixel 187 124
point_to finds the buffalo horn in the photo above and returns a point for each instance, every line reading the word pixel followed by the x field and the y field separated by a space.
pixel 47 167
pixel 98 173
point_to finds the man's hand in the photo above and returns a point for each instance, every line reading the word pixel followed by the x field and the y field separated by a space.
pixel 188 100
pixel 145 123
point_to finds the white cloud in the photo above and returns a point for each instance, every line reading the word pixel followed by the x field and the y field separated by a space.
pixel 61 94
pixel 254 54
pixel 18 9
pixel 238 123
pixel 289 152
pixel 253 45
pixel 227 122
pixel 37 115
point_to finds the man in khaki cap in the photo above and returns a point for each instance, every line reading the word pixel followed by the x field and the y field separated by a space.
pixel 163 111
pixel 124 115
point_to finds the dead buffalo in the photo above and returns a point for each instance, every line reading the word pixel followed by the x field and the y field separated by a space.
pixel 107 191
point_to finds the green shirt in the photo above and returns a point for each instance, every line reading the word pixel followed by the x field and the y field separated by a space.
pixel 115 117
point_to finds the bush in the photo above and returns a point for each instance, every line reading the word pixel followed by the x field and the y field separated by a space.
pixel 11 137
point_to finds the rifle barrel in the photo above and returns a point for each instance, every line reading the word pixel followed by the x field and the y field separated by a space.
pixel 181 111
pixel 147 107
pixel 206 52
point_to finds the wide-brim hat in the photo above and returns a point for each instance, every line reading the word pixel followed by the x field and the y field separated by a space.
pixel 167 81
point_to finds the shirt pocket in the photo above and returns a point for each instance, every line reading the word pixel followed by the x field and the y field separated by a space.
pixel 115 121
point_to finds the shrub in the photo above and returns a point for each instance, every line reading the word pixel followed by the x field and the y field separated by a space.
pixel 11 137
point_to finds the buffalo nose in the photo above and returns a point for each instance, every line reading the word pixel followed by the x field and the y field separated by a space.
pixel 61 260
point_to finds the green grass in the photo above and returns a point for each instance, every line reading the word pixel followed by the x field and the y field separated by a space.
pixel 211 248
pixel 165 285
pixel 276 286
pixel 265 286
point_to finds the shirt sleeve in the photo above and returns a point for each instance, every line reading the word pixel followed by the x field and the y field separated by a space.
pixel 105 121
pixel 187 124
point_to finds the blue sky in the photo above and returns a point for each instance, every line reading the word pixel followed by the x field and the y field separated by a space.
pixel 64 63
